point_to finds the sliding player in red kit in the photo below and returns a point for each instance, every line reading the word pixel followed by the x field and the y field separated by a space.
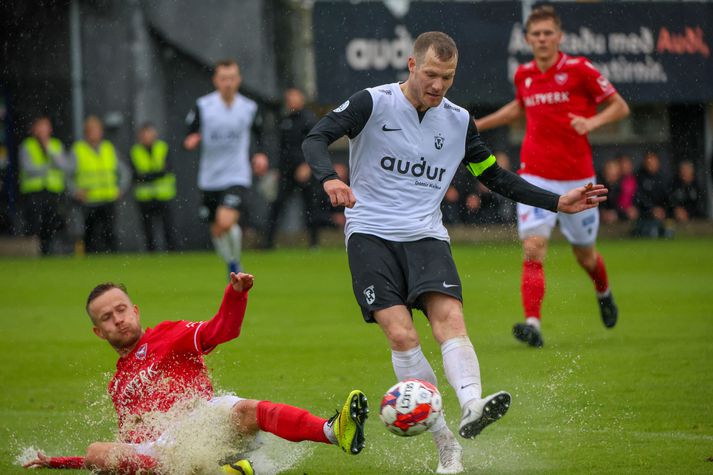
pixel 161 368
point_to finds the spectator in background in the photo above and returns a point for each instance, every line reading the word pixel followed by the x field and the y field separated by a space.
pixel 295 174
pixel 627 188
pixel 650 198
pixel 685 194
pixel 97 178
pixel 611 178
pixel 154 185
pixel 42 161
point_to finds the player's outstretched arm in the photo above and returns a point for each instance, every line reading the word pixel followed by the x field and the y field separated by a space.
pixel 581 198
pixel 226 324
pixel 43 461
pixel 503 116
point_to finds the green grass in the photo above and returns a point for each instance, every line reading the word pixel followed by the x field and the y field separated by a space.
pixel 635 399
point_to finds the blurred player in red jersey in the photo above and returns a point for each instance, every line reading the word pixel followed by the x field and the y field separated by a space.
pixel 559 95
pixel 161 367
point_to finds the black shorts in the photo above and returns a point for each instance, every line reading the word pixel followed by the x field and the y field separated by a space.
pixel 387 273
pixel 234 197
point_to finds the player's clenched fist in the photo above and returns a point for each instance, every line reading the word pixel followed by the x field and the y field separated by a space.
pixel 241 282
pixel 339 193
pixel 582 125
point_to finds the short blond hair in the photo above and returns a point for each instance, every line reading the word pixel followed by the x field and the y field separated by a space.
pixel 541 13
pixel 443 45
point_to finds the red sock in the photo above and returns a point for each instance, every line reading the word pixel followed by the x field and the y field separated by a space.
pixel 599 275
pixel 290 423
pixel 136 464
pixel 67 462
pixel 532 287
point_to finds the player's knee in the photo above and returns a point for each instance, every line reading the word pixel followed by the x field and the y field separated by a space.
pixel 217 229
pixel 244 415
pixel 534 248
pixel 448 325
pixel 402 338
pixel 225 218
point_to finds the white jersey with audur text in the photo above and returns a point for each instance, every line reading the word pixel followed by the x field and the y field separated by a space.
pixel 225 141
pixel 401 167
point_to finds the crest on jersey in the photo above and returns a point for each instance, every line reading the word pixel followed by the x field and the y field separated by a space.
pixel 369 294
pixel 561 78
pixel 528 82
pixel 603 83
pixel 141 352
pixel 438 141
pixel 344 105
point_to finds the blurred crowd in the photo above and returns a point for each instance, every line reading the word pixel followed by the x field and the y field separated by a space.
pixel 69 196
pixel 646 198
pixel 641 196
pixel 468 201
pixel 74 193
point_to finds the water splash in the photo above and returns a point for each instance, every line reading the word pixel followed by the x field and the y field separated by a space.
pixel 26 454
pixel 196 435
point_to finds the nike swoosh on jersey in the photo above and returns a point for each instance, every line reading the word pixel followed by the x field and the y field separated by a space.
pixel 386 129
pixel 448 286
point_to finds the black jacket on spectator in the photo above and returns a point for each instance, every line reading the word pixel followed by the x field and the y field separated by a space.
pixel 687 196
pixel 614 188
pixel 651 192
pixel 293 129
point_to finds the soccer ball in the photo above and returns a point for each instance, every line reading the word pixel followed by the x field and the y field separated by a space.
pixel 410 407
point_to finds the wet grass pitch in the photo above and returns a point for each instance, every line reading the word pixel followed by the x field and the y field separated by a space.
pixel 634 399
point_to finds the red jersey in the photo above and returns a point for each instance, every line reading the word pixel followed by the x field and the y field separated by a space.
pixel 167 366
pixel 551 148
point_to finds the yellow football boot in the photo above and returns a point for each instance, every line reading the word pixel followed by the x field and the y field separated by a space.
pixel 348 424
pixel 241 467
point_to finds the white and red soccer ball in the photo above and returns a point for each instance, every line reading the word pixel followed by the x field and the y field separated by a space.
pixel 410 407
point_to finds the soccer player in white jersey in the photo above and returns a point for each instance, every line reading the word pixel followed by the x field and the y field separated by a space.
pixel 559 95
pixel 222 123
pixel 406 142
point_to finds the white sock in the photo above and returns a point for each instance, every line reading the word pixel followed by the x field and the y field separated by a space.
pixel 606 293
pixel 235 237
pixel 533 321
pixel 413 364
pixel 222 247
pixel 328 430
pixel 462 368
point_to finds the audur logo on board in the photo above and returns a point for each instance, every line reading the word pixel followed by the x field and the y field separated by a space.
pixel 380 53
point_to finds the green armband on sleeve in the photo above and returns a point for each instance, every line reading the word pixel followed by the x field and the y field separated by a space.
pixel 477 169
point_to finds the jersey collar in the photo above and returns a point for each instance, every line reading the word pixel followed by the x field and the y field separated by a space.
pixel 559 64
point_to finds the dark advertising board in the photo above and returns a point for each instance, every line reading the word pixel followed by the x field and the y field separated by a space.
pixel 653 52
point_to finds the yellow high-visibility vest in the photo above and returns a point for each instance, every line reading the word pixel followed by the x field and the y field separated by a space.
pixel 97 172
pixel 163 188
pixel 53 178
